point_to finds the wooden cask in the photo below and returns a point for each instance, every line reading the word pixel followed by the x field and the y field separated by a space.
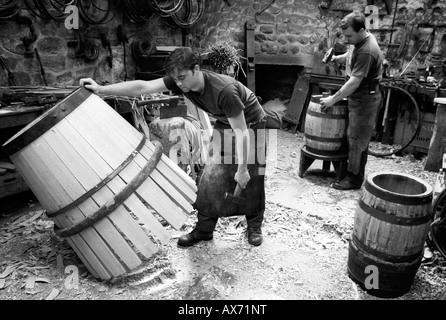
pixel 106 187
pixel 325 132
pixel 391 223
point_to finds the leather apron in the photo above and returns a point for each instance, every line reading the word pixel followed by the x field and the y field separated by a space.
pixel 218 174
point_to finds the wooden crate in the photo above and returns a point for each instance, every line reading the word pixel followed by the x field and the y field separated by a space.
pixel 405 128
pixel 12 183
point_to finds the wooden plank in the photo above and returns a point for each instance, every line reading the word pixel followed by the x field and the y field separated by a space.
pixel 250 55
pixel 129 226
pixel 133 231
pixel 144 215
pixel 161 203
pixel 299 99
pixel 101 168
pixel 106 140
pixel 305 60
pixel 155 197
pixel 171 174
pixel 166 185
pixel 50 191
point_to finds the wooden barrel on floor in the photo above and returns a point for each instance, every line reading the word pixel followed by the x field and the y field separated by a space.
pixel 325 132
pixel 108 189
pixel 391 223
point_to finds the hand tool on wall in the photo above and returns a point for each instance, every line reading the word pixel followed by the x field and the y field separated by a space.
pixel 42 70
pixel 31 38
pixel 415 55
pixel 39 100
pixel 389 50
pixel 235 197
pixel 388 4
pixel 11 78
pixel 122 38
pixel 106 44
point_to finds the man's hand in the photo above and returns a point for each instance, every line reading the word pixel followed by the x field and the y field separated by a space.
pixel 326 103
pixel 242 178
pixel 90 84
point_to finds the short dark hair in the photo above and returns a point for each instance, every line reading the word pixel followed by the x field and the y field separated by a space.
pixel 183 58
pixel 356 20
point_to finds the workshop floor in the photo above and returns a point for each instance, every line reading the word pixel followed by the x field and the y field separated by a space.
pixel 304 255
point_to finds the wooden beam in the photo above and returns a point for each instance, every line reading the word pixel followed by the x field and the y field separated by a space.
pixel 250 55
pixel 305 60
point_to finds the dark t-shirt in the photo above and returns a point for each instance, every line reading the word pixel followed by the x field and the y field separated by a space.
pixel 223 97
pixel 366 61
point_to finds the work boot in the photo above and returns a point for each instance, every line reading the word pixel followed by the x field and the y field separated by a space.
pixel 193 237
pixel 255 237
pixel 346 184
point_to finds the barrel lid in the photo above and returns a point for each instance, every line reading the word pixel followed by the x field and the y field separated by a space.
pixel 316 98
pixel 46 121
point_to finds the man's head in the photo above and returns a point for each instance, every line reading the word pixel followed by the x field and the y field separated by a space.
pixel 183 66
pixel 353 27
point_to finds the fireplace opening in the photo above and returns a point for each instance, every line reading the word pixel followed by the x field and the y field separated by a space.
pixel 276 81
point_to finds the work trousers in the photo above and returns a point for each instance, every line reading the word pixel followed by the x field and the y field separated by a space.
pixel 362 112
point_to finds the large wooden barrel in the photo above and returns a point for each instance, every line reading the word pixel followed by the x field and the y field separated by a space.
pixel 106 187
pixel 325 132
pixel 391 223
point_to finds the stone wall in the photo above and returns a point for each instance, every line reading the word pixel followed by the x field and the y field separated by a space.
pixel 283 28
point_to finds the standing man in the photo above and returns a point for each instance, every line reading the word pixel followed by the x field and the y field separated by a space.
pixel 238 114
pixel 364 68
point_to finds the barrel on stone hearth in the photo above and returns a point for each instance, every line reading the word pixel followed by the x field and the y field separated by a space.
pixel 391 223
pixel 108 189
pixel 326 132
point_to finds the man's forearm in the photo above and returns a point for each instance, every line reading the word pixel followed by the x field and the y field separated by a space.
pixel 340 58
pixel 243 148
pixel 128 88
pixel 347 89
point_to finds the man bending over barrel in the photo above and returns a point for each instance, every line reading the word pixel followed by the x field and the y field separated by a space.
pixel 364 68
pixel 238 113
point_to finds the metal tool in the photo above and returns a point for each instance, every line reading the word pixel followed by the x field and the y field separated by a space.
pixel 106 44
pixel 327 58
pixel 11 78
pixel 42 70
pixel 235 197
pixel 29 39
pixel 40 100
pixel 328 55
